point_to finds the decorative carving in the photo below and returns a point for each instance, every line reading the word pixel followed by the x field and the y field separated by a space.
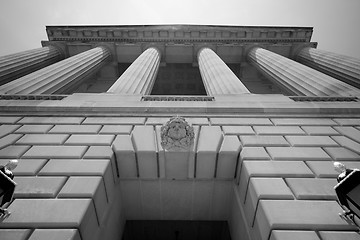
pixel 177 134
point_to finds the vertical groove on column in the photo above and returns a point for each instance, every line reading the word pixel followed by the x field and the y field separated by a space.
pixel 339 66
pixel 140 76
pixel 217 76
pixel 297 78
pixel 60 76
pixel 19 64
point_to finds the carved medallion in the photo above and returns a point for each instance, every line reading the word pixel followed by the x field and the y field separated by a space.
pixel 177 134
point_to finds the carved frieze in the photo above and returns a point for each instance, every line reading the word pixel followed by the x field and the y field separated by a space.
pixel 177 135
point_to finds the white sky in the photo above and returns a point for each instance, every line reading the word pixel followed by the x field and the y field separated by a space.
pixel 336 22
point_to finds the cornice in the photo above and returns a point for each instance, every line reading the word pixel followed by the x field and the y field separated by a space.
pixel 179 33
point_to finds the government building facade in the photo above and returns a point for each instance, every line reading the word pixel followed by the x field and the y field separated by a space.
pixel 178 132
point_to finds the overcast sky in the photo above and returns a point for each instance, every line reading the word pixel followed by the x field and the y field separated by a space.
pixel 336 22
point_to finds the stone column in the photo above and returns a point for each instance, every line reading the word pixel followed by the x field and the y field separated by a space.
pixel 217 76
pixel 60 76
pixel 296 78
pixel 342 67
pixel 19 64
pixel 140 76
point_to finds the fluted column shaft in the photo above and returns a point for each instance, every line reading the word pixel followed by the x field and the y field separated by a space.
pixel 297 78
pixel 217 76
pixel 19 64
pixel 60 76
pixel 342 67
pixel 140 76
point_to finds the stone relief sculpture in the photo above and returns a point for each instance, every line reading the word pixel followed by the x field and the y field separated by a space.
pixel 177 134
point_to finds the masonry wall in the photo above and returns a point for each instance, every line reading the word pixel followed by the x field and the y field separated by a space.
pixel 81 177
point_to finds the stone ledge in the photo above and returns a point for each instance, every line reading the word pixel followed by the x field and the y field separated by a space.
pixel 14 234
pixel 65 213
pixel 55 234
pixel 299 215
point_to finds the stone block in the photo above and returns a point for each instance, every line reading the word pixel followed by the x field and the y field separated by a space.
pixel 38 187
pixel 103 152
pixel 34 128
pixel 263 188
pixel 9 120
pixel 27 167
pixel 76 129
pixel 55 152
pixel 43 139
pixel 227 157
pixel 210 138
pixel 280 169
pixel 9 140
pixel 177 164
pixel 7 129
pixel 293 235
pixel 324 169
pixel 297 153
pixel 125 156
pixel 263 141
pixel 254 153
pixel 201 206
pixel 238 130
pixel 14 234
pixel 337 235
pixel 115 120
pixel 342 154
pixel 278 130
pixel 157 120
pixel 197 121
pixel 161 153
pixel 222 198
pixel 176 198
pixel 350 132
pixel 13 151
pixel 298 215
pixel 347 143
pixel 311 141
pixel 54 213
pixel 312 188
pixel 143 138
pixel 151 199
pixel 75 167
pixel 51 120
pixel 347 121
pixel 55 234
pixel 87 187
pixel 303 121
pixel 240 121
pixel 90 139
pixel 131 199
pixel 116 129
pixel 320 130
